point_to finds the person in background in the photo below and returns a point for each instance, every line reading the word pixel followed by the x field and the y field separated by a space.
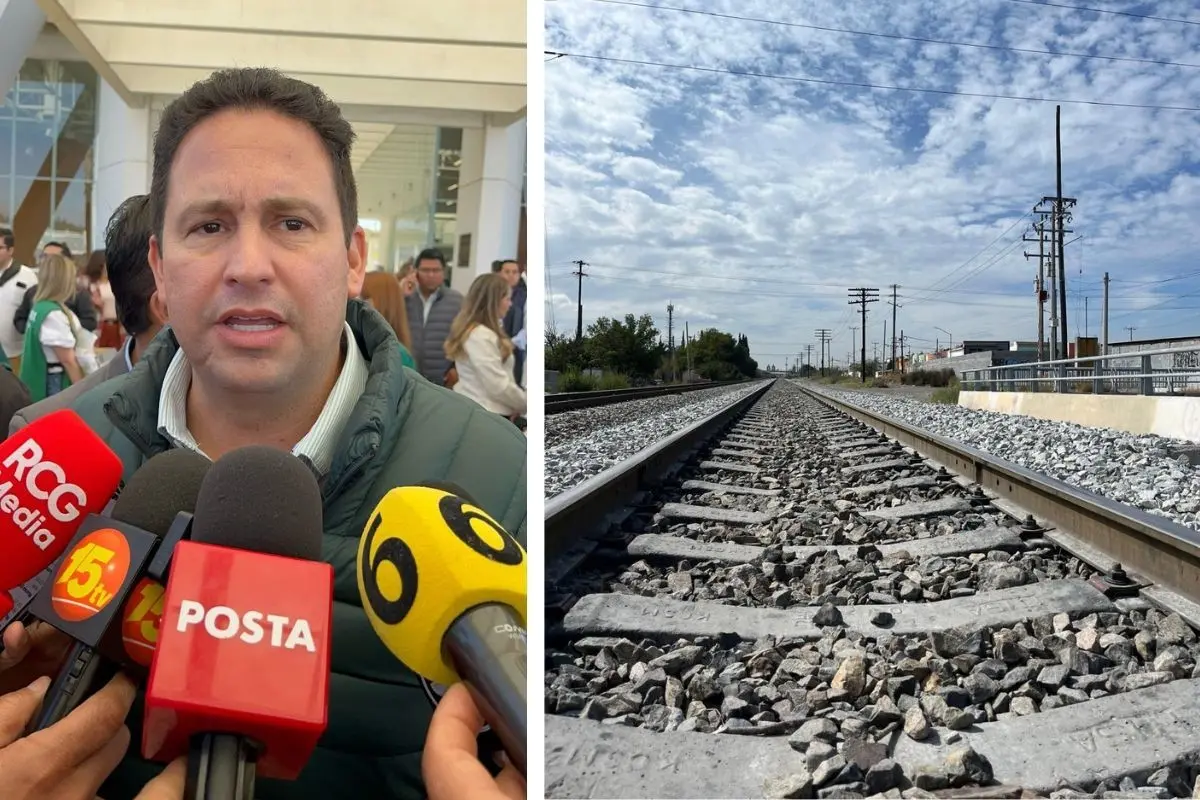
pixel 431 309
pixel 80 301
pixel 514 320
pixel 140 310
pixel 15 279
pixel 481 351
pixel 101 293
pixel 407 277
pixel 382 292
pixel 54 339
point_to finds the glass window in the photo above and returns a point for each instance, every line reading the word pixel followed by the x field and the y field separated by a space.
pixel 69 221
pixel 34 143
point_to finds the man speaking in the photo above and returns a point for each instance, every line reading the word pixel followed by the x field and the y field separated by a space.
pixel 256 253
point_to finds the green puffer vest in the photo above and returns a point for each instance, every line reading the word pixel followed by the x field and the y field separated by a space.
pixel 404 431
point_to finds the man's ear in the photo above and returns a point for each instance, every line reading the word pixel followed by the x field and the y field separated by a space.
pixel 158 310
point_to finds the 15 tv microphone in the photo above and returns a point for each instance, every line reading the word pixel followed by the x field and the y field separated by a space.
pixel 53 473
pixel 444 587
pixel 98 595
pixel 240 678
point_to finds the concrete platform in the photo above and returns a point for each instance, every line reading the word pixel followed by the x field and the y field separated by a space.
pixel 667 620
pixel 1174 417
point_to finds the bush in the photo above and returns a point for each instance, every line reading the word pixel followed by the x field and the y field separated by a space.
pixel 929 377
pixel 947 395
pixel 575 381
pixel 612 380
pixel 880 383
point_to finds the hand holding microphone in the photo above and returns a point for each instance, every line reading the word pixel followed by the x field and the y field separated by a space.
pixel 70 760
pixel 450 761
pixel 30 653
pixel 444 587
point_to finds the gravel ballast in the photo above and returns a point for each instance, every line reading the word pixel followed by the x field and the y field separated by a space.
pixel 1138 470
pixel 583 443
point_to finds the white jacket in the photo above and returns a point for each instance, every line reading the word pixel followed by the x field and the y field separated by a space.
pixel 486 379
pixel 11 295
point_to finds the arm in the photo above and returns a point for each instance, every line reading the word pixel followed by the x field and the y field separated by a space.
pixel 21 318
pixel 483 352
pixel 66 357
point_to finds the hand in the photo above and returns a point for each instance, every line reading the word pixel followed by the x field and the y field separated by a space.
pixel 450 763
pixel 30 653
pixel 70 759
pixel 168 785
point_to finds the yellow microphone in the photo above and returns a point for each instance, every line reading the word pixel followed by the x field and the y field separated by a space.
pixel 445 588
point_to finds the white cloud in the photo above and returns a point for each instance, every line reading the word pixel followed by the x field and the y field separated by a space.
pixel 754 204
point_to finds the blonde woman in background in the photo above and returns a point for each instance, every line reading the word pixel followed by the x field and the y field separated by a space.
pixel 482 353
pixel 383 293
pixel 57 347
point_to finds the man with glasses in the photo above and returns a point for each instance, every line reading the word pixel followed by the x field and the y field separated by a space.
pixel 431 309
pixel 15 279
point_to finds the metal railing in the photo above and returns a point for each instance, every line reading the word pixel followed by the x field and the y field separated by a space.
pixel 1164 371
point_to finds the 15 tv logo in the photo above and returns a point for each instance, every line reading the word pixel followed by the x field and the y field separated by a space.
pixel 91 575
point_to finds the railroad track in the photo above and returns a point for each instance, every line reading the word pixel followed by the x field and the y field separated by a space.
pixel 804 607
pixel 570 401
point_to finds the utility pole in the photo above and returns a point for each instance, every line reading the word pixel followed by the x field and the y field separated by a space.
pixel 1131 329
pixel 671 337
pixel 1062 219
pixel 823 335
pixel 902 352
pixel 579 319
pixel 1039 283
pixel 860 297
pixel 1104 324
pixel 895 287
pixel 808 356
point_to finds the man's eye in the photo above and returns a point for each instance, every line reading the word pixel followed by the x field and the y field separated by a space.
pixel 295 225
pixel 211 227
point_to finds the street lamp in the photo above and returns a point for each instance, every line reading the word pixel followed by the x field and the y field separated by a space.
pixel 943 330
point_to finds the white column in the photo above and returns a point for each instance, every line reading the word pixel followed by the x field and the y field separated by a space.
pixel 489 196
pixel 20 23
pixel 123 157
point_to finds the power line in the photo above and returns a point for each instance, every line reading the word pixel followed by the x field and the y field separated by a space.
pixel 901 37
pixel 862 85
pixel 1108 11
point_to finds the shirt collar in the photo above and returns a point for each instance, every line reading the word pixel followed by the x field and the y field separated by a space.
pixel 317 446
pixel 128 352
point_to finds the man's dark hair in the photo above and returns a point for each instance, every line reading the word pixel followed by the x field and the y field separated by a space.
pixel 499 263
pixel 66 251
pixel 126 247
pixel 431 254
pixel 6 235
pixel 255 89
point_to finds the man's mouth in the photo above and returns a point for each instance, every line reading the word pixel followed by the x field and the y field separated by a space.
pixel 252 324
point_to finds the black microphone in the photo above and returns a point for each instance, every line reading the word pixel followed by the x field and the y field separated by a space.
pixel 116 625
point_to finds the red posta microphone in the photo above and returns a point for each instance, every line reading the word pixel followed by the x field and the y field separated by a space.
pixel 53 473
pixel 240 678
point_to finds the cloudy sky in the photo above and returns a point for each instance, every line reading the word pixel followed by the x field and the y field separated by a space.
pixel 753 203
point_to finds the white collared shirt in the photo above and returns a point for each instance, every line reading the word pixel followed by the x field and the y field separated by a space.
pixel 317 446
pixel 127 350
pixel 427 303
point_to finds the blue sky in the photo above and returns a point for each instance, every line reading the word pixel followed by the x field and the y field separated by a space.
pixel 753 204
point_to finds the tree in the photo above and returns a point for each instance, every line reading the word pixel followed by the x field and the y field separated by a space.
pixel 717 356
pixel 633 348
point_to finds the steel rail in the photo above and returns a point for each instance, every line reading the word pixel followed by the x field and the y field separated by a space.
pixel 1155 548
pixel 586 507
pixel 570 401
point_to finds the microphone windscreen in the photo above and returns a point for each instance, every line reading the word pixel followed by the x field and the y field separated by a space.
pixel 450 488
pixel 261 499
pixel 165 485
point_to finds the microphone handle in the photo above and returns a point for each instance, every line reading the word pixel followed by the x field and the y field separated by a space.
pixel 491 660
pixel 220 767
pixel 71 686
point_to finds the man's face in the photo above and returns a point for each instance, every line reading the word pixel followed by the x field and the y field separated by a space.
pixel 511 272
pixel 253 266
pixel 430 274
pixel 6 252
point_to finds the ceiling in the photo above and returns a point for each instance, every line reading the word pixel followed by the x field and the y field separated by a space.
pixel 453 59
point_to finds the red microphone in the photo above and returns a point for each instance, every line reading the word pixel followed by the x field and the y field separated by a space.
pixel 53 473
pixel 240 677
